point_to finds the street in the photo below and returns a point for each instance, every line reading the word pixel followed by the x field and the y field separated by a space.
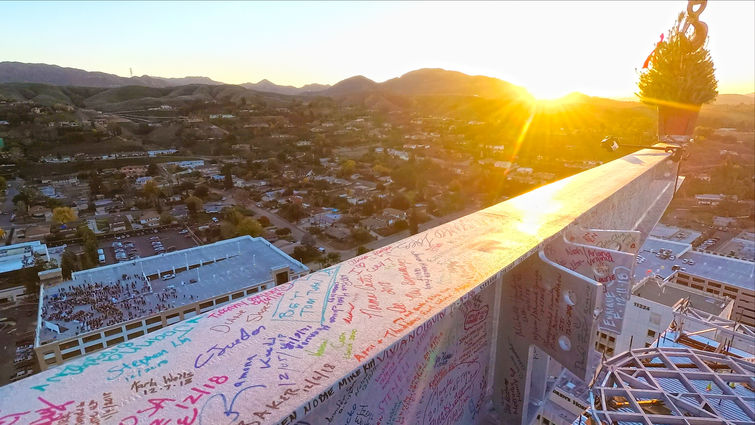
pixel 7 207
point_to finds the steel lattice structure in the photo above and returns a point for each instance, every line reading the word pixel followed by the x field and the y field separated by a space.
pixel 675 386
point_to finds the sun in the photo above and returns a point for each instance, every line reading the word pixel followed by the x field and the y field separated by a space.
pixel 547 91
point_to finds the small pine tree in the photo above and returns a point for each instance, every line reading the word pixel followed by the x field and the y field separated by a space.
pixel 679 72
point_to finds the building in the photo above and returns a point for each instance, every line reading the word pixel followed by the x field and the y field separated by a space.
pixel 105 306
pixel 742 246
pixel 118 223
pixel 652 308
pixel 693 341
pixel 141 181
pixel 150 218
pixel 709 199
pixel 394 214
pixel 161 152
pixel 374 223
pixel 650 311
pixel 134 170
pixel 21 255
pixel 189 164
pixel 711 273
pixel 676 234
pixel 15 260
pixel 38 211
pixel 338 233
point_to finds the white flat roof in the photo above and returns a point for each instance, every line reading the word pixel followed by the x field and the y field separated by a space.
pixel 733 271
pixel 124 294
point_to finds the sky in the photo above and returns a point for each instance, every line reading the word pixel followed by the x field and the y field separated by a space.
pixel 550 48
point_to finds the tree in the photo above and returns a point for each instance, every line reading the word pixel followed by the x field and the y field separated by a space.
pixel 400 202
pixel 153 170
pixel 305 254
pixel 381 170
pixel 193 204
pixel 202 191
pixel 227 230
pixel 234 216
pixel 264 221
pixel 21 197
pixel 361 249
pixel 62 215
pixel 228 178
pixel 95 184
pixel 413 222
pixel 150 191
pixel 67 263
pixel 347 167
pixel 249 226
pixel 361 235
pixel 308 239
pixel 681 71
pixel 293 212
pixel 333 257
pixel 3 184
pixel 21 207
pixel 283 231
pixel 90 246
pixel 166 218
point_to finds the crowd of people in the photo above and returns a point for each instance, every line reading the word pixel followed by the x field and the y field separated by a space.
pixel 86 306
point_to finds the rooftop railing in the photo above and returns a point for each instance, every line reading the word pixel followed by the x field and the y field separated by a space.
pixel 455 325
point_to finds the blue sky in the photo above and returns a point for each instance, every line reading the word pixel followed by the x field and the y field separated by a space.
pixel 550 48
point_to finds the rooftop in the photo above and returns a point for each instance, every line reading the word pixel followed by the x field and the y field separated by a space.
pixel 733 271
pixel 669 294
pixel 20 255
pixel 673 233
pixel 130 290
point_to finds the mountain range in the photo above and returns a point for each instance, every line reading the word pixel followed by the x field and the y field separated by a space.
pixel 19 72
pixel 358 89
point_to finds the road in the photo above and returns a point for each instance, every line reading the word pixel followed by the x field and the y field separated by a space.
pixel 7 204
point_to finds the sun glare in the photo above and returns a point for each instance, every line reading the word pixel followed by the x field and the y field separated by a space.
pixel 548 92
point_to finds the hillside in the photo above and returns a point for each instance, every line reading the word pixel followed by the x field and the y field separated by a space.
pixel 349 86
pixel 270 87
pixel 735 99
pixel 424 82
pixel 130 97
pixel 18 72
pixel 427 91
pixel 442 82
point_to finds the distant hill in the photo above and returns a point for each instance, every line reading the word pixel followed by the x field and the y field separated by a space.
pixel 270 87
pixel 132 97
pixel 423 82
pixel 18 72
pixel 442 82
pixel 357 84
pixel 721 99
pixel 735 99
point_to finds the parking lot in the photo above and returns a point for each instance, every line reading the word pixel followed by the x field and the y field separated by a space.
pixel 130 247
pixel 17 323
